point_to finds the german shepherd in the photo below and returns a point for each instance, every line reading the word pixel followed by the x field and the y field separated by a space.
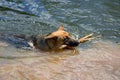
pixel 54 41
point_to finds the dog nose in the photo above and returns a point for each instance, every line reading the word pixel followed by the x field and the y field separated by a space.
pixel 71 43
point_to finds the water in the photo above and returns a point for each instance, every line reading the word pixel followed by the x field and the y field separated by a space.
pixel 97 60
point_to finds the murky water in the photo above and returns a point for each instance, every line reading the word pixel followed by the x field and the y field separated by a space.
pixel 97 60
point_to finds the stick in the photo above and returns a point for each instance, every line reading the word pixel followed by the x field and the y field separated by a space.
pixel 88 38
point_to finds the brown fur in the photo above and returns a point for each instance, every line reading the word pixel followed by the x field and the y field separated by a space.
pixel 57 40
pixel 54 41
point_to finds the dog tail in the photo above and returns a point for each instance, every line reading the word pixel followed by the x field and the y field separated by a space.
pixel 24 36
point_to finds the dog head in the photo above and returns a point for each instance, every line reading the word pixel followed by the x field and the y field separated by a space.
pixel 62 37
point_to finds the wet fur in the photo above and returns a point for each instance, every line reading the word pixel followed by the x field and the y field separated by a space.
pixel 57 40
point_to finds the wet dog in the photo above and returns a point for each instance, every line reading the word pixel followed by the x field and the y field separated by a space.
pixel 54 41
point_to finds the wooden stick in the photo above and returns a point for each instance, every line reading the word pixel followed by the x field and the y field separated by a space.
pixel 87 38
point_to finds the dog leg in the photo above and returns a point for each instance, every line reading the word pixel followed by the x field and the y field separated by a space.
pixel 62 46
pixel 31 44
pixel 75 51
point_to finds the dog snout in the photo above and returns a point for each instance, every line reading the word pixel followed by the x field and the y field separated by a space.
pixel 71 42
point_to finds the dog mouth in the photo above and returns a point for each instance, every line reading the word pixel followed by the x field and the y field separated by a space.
pixel 71 42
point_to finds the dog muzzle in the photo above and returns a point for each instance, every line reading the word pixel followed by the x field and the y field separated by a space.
pixel 71 42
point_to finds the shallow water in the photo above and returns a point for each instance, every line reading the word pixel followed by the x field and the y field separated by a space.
pixel 99 62
pixel 98 59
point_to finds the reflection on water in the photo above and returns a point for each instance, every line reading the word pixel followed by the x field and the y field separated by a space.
pixel 97 60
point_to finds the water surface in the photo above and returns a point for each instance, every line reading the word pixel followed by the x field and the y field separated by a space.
pixel 98 59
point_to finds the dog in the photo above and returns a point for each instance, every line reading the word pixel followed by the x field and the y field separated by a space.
pixel 54 41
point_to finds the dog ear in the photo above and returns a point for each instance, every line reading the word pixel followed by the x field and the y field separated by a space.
pixel 53 34
pixel 61 27
pixel 49 36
